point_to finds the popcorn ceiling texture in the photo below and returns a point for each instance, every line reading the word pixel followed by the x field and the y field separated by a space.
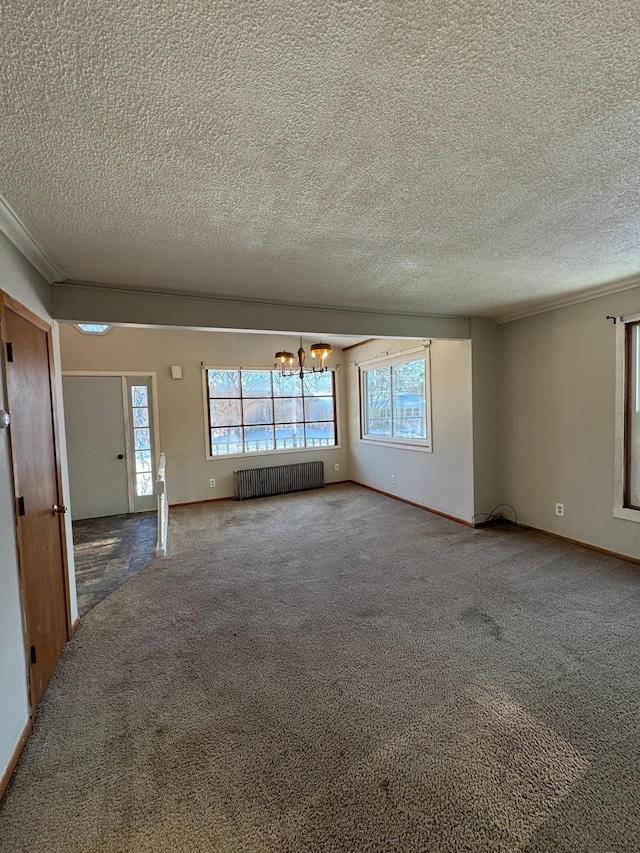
pixel 450 157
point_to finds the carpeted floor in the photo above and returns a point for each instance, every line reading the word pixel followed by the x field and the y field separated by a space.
pixel 337 671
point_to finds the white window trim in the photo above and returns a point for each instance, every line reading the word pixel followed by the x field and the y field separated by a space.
pixel 278 452
pixel 619 509
pixel 421 445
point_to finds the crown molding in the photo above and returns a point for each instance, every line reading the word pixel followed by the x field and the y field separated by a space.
pixel 17 233
pixel 617 286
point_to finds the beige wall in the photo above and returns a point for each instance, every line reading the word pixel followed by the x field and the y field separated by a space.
pixel 488 415
pixel 180 402
pixel 442 479
pixel 21 281
pixel 559 421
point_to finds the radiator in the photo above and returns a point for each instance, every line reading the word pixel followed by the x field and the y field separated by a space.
pixel 277 480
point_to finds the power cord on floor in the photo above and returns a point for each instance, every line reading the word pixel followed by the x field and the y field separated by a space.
pixel 496 518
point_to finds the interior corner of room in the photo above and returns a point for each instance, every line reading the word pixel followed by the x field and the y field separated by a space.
pixel 429 297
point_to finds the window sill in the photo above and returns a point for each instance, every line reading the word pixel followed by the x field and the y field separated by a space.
pixel 399 445
pixel 626 513
pixel 280 452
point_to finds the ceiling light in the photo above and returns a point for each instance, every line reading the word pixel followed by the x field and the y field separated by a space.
pixel 92 328
pixel 284 360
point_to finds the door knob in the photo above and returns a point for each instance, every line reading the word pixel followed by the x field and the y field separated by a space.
pixel 59 508
pixel 120 455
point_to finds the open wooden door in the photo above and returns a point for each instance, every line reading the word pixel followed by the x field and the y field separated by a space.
pixel 39 511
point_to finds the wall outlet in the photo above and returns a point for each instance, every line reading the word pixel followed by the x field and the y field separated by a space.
pixel 212 483
pixel 560 510
pixel 337 466
pixel 393 479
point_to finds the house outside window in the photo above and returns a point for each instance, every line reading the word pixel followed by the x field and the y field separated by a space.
pixel 395 405
pixel 262 411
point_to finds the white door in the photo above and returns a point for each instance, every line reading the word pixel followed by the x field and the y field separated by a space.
pixel 110 442
pixel 96 444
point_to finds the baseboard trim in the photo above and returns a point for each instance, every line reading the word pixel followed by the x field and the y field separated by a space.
pixel 626 557
pixel 74 626
pixel 419 506
pixel 8 773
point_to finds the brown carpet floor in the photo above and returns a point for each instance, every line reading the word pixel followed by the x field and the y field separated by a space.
pixel 337 671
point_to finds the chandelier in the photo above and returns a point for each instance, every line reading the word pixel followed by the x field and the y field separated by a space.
pixel 284 360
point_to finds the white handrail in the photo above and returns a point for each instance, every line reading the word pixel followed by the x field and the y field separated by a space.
pixel 163 507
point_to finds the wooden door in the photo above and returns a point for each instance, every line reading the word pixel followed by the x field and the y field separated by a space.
pixel 41 538
pixel 96 445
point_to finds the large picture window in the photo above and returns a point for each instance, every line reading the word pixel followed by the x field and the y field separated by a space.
pixel 262 411
pixel 395 402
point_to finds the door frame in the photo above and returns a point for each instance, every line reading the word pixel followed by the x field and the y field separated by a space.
pixel 124 375
pixel 8 302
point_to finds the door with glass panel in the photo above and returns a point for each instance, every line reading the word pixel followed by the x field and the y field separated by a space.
pixel 110 444
pixel 141 443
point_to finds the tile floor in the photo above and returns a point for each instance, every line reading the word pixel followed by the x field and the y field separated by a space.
pixel 108 551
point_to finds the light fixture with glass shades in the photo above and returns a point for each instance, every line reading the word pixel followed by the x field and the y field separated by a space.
pixel 285 359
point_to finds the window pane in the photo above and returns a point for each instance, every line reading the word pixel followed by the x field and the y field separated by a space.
pixel 318 409
pixel 139 395
pixel 144 485
pixel 318 383
pixel 377 391
pixel 224 383
pixel 288 409
pixel 224 441
pixel 141 417
pixel 142 439
pixel 409 404
pixel 256 383
pixel 320 434
pixel 225 412
pixel 258 411
pixel 289 436
pixel 634 417
pixel 286 386
pixel 258 438
pixel 143 461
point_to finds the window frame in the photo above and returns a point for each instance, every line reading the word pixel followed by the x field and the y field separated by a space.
pixel 418 354
pixel 623 508
pixel 278 450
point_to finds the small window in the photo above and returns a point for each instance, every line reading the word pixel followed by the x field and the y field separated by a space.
pixel 395 403
pixel 93 328
pixel 632 417
pixel 263 411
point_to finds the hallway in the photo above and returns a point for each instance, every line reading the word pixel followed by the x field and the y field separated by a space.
pixel 108 551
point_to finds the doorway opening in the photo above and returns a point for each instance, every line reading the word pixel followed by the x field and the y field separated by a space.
pixel 113 449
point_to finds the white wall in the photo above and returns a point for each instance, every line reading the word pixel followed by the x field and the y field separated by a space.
pixel 559 421
pixel 180 402
pixel 21 281
pixel 442 479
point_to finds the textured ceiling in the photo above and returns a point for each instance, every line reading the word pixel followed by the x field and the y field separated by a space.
pixel 456 156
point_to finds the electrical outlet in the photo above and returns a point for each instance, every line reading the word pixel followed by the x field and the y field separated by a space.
pixel 337 466
pixel 212 483
pixel 560 510
pixel 393 479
